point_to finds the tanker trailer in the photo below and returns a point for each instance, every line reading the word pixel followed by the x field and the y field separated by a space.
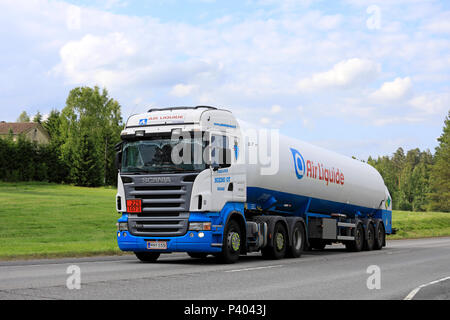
pixel 190 180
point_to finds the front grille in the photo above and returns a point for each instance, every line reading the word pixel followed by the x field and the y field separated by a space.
pixel 159 225
pixel 165 206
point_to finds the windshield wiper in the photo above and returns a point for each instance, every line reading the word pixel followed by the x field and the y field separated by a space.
pixel 134 170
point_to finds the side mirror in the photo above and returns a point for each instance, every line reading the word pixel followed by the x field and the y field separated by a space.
pixel 118 160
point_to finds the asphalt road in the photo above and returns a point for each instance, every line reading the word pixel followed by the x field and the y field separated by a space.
pixel 404 265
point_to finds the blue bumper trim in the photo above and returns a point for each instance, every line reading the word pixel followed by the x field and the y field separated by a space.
pixel 190 242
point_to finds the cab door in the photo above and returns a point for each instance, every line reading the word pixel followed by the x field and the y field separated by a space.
pixel 221 170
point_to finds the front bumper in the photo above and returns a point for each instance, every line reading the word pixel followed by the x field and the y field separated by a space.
pixel 190 242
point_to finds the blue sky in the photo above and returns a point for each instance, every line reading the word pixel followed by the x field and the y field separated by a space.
pixel 355 76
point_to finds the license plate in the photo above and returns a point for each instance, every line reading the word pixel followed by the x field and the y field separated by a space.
pixel 156 245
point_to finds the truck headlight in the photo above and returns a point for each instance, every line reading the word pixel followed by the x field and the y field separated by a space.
pixel 200 226
pixel 122 226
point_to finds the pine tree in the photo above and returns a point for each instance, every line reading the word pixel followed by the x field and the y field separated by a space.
pixel 38 117
pixel 440 174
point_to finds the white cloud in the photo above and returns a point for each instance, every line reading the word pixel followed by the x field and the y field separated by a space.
pixel 344 74
pixel 439 24
pixel 275 109
pixel 264 120
pixel 73 21
pixel 393 90
pixel 97 60
pixel 397 120
pixel 433 103
pixel 182 90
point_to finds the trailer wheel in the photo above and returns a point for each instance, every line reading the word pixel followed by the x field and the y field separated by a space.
pixel 197 255
pixel 380 236
pixel 147 256
pixel 298 241
pixel 278 248
pixel 369 240
pixel 231 247
pixel 357 244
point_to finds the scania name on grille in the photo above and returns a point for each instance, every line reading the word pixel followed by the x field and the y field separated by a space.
pixel 157 180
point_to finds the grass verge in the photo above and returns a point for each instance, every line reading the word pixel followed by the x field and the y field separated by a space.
pixel 412 225
pixel 51 220
pixel 42 220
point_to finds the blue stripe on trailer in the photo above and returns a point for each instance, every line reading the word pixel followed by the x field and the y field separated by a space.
pixel 302 206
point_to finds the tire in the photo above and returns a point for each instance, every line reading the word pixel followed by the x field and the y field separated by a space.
pixel 380 236
pixel 317 244
pixel 298 241
pixel 147 256
pixel 357 244
pixel 197 255
pixel 232 243
pixel 277 250
pixel 369 239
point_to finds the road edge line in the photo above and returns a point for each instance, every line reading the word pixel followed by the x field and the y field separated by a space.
pixel 411 295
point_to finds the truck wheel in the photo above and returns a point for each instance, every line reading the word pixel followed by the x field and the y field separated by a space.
pixel 197 255
pixel 357 244
pixel 298 241
pixel 231 247
pixel 380 236
pixel 278 248
pixel 147 256
pixel 369 237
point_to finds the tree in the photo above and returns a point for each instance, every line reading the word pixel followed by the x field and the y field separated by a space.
pixel 38 117
pixel 440 173
pixel 53 127
pixel 24 117
pixel 407 177
pixel 86 164
pixel 91 120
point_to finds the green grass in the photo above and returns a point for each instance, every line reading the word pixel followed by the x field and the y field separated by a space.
pixel 42 220
pixel 412 225
pixel 50 220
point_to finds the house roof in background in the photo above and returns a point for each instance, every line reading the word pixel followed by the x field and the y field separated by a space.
pixel 17 127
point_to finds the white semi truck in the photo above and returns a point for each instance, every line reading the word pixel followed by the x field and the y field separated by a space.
pixel 191 179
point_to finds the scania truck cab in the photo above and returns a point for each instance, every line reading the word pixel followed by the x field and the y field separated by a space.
pixel 185 185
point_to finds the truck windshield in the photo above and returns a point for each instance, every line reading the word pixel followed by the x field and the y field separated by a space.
pixel 163 154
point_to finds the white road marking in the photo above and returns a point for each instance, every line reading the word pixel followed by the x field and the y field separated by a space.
pixel 256 268
pixel 411 295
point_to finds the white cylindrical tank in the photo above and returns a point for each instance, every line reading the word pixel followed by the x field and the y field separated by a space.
pixel 313 179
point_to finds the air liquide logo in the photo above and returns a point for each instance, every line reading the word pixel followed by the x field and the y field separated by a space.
pixel 316 170
pixel 299 163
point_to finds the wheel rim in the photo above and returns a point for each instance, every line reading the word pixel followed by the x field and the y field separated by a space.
pixel 380 235
pixel 358 237
pixel 235 241
pixel 280 241
pixel 297 240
